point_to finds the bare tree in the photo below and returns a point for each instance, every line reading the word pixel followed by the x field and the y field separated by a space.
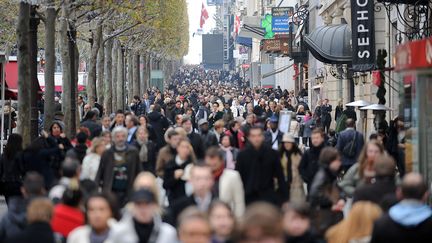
pixel 100 93
pixel 115 57
pixel 120 78
pixel 91 84
pixel 24 72
pixel 50 60
pixel 107 83
pixel 136 75
pixel 131 91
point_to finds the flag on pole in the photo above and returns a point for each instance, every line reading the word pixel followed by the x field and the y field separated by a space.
pixel 236 26
pixel 204 15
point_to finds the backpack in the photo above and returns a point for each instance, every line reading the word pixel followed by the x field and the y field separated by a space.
pixel 350 149
pixel 341 123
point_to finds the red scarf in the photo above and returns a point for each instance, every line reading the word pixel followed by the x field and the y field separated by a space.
pixel 217 173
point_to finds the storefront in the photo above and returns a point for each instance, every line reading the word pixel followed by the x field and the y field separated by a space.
pixel 414 65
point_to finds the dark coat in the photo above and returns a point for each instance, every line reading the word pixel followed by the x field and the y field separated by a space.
pixel 387 230
pixel 160 124
pixel 175 187
pixel 338 112
pixel 14 221
pixel 150 164
pixel 268 138
pixel 139 108
pixel 382 192
pixel 209 139
pixel 258 170
pixel 324 193
pixel 326 114
pixel 215 117
pixel 104 176
pixel 346 137
pixel 39 232
pixel 11 175
pixel 94 127
pixel 197 144
pixel 177 207
pixel 309 164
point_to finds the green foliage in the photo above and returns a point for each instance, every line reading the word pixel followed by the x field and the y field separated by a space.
pixel 8 23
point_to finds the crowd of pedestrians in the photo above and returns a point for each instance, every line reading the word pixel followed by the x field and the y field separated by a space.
pixel 207 160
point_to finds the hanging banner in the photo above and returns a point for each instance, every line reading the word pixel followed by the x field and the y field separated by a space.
pixel 363 35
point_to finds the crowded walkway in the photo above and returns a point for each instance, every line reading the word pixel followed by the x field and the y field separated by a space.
pixel 211 160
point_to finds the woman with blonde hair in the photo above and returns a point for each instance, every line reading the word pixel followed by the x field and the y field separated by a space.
pixel 91 161
pixel 362 171
pixel 357 226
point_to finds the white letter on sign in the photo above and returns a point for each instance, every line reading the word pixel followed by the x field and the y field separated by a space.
pixel 361 28
pixel 363 41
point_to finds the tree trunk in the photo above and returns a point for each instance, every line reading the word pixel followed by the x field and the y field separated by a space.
pixel 131 91
pixel 66 65
pixel 34 86
pixel 50 61
pixel 114 76
pixel 100 74
pixel 108 77
pixel 73 49
pixel 91 84
pixel 146 72
pixel 120 79
pixel 136 75
pixel 142 74
pixel 24 72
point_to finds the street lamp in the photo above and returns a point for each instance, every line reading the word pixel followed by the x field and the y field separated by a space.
pixel 319 78
pixel 359 77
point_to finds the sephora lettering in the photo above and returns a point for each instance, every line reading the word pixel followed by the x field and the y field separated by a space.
pixel 363 34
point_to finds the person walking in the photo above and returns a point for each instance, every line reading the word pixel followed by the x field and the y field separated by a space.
pixel 119 166
pixel 350 143
pixel 326 110
pixel 12 169
pixel 410 220
pixel 273 136
pixel 259 166
pixel 309 164
pixel 290 157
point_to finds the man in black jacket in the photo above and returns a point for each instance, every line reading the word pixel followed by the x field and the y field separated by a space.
pixel 160 124
pixel 259 166
pixel 273 136
pixel 309 163
pixel 138 107
pixel 411 219
pixel 208 137
pixel 90 122
pixel 194 138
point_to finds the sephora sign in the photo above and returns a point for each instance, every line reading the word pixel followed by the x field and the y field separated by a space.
pixel 363 35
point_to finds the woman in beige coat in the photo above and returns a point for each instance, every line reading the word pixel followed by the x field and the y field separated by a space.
pixel 290 157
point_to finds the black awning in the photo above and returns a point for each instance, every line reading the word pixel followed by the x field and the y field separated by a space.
pixel 331 44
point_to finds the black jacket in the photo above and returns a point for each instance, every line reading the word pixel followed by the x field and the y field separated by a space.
pixel 175 187
pixel 139 108
pixel 382 192
pixel 197 144
pixel 177 207
pixel 94 127
pixel 309 164
pixel 39 232
pixel 258 170
pixel 387 230
pixel 160 124
pixel 150 164
pixel 268 140
pixel 209 139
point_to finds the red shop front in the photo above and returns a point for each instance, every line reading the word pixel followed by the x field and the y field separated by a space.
pixel 414 65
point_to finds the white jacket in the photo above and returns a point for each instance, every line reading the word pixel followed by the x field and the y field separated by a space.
pixel 124 232
pixel 90 166
pixel 231 191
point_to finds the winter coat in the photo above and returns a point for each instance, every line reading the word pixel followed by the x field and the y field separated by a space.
pixel 293 178
pixel 209 139
pixel 160 124
pixel 38 232
pixel 139 108
pixel 382 192
pixel 407 221
pixel 14 221
pixel 324 193
pixel 94 127
pixel 197 144
pixel 78 152
pixel 231 191
pixel 125 232
pixel 104 177
pixel 309 164
pixel 308 127
pixel 165 155
pixel 268 139
pixel 65 219
pixel 239 138
pixel 258 170
pixel 90 166
pixel 344 139
pixel 11 175
pixel 213 117
pixel 150 164
pixel 351 180
pixel 175 187
pixel 326 114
